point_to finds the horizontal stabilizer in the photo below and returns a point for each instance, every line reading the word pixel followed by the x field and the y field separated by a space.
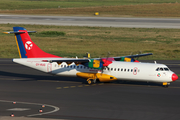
pixel 17 32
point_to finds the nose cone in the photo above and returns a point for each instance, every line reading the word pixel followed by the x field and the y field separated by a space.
pixel 174 77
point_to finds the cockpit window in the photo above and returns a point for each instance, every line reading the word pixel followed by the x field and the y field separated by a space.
pixel 162 69
pixel 157 69
pixel 166 69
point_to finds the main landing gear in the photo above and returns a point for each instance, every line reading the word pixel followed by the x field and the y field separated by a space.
pixel 90 81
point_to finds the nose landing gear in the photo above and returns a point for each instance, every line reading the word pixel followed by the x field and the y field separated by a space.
pixel 165 84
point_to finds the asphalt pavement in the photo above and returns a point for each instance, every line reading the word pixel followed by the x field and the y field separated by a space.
pixel 91 21
pixel 71 98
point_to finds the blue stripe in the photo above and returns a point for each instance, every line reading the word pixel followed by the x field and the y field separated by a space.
pixel 20 43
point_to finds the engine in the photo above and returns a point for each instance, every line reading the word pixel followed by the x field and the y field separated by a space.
pixel 128 59
pixel 95 64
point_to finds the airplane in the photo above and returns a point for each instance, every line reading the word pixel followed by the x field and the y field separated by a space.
pixel 92 69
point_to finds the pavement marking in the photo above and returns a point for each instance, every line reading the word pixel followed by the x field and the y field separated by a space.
pixel 26 118
pixel 174 87
pixel 8 64
pixel 57 81
pixel 18 109
pixel 11 79
pixel 55 108
pixel 144 85
pixel 101 84
pixel 66 87
pixel 80 85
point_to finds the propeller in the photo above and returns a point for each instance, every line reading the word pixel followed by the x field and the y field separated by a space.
pixel 139 52
pixel 105 62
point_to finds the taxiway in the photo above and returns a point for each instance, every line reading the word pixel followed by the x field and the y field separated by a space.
pixel 72 98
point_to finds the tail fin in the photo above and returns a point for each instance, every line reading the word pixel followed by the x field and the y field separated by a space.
pixel 26 47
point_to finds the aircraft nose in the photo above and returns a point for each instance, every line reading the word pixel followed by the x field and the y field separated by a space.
pixel 174 77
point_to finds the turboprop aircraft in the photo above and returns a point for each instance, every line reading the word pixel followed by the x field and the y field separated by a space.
pixel 93 69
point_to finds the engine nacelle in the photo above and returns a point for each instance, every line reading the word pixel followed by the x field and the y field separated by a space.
pixel 128 59
pixel 100 76
pixel 105 77
pixel 96 64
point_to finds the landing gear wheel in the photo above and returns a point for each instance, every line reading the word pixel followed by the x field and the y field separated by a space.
pixel 166 86
pixel 89 81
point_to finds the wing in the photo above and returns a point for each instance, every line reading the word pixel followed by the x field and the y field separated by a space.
pixel 67 60
pixel 132 56
pixel 96 63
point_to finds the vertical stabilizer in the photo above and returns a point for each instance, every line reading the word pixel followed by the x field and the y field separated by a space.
pixel 26 47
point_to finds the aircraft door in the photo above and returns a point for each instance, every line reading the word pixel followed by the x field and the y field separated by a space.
pixel 135 71
pixel 49 67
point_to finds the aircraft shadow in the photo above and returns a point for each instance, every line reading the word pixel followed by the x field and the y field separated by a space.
pixel 139 83
pixel 27 77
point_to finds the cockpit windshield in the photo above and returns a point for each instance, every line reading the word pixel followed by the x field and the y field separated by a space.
pixel 166 69
pixel 162 69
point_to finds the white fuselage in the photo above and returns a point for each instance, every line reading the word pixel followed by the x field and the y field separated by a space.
pixel 120 70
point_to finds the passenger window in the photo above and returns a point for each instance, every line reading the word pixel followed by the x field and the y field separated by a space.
pixel 121 69
pixel 111 69
pixel 128 70
pixel 77 66
pixel 114 69
pixel 64 65
pixel 118 69
pixel 131 70
pixel 157 69
pixel 125 70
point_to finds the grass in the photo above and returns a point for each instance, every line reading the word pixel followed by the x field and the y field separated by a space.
pixel 49 4
pixel 50 34
pixel 107 8
pixel 163 43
